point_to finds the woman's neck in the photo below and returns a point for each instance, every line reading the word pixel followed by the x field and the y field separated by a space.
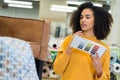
pixel 88 34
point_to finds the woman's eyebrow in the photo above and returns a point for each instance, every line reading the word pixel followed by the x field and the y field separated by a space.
pixel 87 15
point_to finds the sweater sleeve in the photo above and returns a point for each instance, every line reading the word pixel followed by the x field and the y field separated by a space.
pixel 62 59
pixel 105 66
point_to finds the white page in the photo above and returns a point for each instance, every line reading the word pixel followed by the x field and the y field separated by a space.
pixel 88 46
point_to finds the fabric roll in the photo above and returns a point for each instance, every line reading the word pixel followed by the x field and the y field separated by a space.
pixel 118 77
pixel 116 68
pixel 52 74
pixel 45 71
pixel 110 68
pixel 116 50
pixel 113 58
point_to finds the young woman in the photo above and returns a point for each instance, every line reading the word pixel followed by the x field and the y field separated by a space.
pixel 92 23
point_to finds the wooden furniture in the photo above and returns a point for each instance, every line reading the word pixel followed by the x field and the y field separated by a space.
pixel 34 31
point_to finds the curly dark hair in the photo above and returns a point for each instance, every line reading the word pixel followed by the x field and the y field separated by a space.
pixel 102 21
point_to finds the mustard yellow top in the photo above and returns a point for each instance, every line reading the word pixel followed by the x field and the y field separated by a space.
pixel 78 66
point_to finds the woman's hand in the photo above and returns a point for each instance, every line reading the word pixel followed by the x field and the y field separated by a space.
pixel 69 49
pixel 78 33
pixel 97 64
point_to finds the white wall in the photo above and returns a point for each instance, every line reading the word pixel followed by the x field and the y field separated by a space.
pixel 45 13
pixel 20 12
pixel 114 37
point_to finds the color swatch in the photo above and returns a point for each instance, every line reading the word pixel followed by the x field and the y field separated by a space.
pixel 88 46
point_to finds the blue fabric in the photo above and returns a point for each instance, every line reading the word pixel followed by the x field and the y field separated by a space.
pixel 16 60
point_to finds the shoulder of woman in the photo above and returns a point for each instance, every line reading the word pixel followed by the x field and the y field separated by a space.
pixel 68 37
pixel 105 44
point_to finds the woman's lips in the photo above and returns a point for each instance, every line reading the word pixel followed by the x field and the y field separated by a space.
pixel 83 25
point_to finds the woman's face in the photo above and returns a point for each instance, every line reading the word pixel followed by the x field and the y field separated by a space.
pixel 87 20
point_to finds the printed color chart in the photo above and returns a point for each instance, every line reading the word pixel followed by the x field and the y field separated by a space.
pixel 87 46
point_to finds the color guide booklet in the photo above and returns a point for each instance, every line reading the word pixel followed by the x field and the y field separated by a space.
pixel 87 46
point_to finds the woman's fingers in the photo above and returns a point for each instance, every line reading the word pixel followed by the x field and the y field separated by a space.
pixel 95 58
pixel 97 55
pixel 69 48
pixel 78 33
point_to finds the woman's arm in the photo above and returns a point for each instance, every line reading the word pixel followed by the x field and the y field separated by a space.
pixel 105 75
pixel 62 58
pixel 64 53
pixel 61 62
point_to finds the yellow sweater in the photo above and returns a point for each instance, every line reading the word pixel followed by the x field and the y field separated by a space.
pixel 78 66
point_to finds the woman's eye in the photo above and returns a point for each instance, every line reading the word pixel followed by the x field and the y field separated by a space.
pixel 87 17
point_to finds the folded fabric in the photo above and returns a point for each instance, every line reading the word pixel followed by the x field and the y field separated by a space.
pixel 16 60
